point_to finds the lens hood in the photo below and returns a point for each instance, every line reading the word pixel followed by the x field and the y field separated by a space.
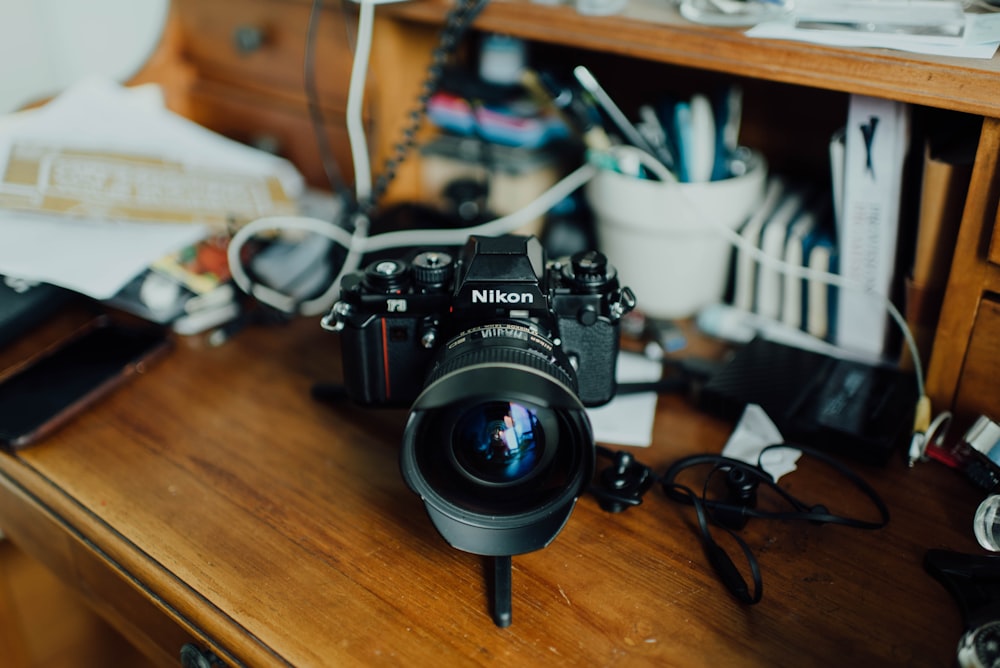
pixel 481 516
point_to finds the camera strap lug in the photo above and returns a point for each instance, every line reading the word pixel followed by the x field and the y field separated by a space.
pixel 621 303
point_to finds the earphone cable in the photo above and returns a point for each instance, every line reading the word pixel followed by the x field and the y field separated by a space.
pixel 720 561
pixel 732 514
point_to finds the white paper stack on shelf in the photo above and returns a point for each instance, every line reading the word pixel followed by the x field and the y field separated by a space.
pixel 934 27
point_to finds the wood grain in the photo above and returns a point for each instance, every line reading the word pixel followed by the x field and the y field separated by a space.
pixel 651 30
pixel 278 530
pixel 978 387
pixel 972 275
pixel 214 501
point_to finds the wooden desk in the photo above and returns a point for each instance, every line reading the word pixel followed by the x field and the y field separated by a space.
pixel 213 501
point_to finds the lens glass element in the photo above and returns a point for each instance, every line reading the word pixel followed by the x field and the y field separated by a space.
pixel 498 442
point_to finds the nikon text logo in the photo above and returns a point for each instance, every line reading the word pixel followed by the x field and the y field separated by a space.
pixel 501 297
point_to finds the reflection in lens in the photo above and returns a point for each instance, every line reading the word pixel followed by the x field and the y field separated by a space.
pixel 499 442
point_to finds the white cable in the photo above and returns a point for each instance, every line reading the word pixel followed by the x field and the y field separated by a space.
pixel 322 304
pixel 456 237
pixel 360 243
pixel 796 271
pixel 355 103
pixel 263 293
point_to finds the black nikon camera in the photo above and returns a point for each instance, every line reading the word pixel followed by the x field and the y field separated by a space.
pixel 497 351
pixel 396 315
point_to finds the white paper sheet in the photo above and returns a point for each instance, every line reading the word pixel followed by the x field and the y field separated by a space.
pixel 99 257
pixel 982 37
pixel 95 258
pixel 99 114
pixel 754 432
pixel 628 419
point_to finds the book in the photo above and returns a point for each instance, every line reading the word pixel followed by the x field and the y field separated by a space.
pixel 837 148
pixel 793 294
pixel 772 243
pixel 745 265
pixel 820 250
pixel 876 145
pixel 947 170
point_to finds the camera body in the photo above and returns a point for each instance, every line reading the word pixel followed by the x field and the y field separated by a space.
pixel 397 317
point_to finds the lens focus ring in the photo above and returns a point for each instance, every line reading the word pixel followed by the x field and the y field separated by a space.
pixel 510 351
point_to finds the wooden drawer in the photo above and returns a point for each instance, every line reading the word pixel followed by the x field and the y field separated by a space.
pixel 125 604
pixel 261 44
pixel 978 385
pixel 965 360
pixel 994 252
pixel 254 119
pixel 118 598
pixel 33 532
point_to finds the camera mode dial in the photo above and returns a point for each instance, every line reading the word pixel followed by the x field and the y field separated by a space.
pixel 589 271
pixel 389 276
pixel 432 270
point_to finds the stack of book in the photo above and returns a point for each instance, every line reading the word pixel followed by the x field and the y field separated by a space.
pixel 869 228
pixel 794 226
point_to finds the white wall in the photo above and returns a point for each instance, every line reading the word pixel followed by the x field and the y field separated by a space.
pixel 45 45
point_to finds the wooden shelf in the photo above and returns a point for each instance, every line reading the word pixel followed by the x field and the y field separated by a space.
pixel 652 30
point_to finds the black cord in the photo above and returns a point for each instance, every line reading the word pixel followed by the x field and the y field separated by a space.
pixel 334 175
pixel 720 561
pixel 616 490
pixel 816 513
pixel 458 21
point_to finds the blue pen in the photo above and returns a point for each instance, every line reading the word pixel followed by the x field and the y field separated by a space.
pixel 681 123
pixel 728 114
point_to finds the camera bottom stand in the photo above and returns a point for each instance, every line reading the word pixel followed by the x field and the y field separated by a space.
pixel 502 576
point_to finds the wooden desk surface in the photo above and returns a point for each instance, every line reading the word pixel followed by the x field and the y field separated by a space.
pixel 279 529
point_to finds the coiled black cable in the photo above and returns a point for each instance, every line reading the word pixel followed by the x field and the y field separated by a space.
pixel 457 23
pixel 623 484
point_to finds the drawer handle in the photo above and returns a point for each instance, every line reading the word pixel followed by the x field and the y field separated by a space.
pixel 194 657
pixel 248 39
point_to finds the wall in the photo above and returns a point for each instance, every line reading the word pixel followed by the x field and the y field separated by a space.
pixel 45 45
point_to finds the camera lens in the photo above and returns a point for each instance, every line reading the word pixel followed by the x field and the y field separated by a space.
pixel 498 445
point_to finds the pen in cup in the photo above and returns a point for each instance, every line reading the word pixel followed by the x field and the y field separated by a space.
pixel 728 116
pixel 571 106
pixel 652 129
pixel 701 148
pixel 590 84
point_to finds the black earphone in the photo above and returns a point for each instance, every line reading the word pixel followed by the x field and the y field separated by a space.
pixel 623 484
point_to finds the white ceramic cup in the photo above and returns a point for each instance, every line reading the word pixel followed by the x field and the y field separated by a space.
pixel 661 238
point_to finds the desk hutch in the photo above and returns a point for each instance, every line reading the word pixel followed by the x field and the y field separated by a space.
pixel 216 505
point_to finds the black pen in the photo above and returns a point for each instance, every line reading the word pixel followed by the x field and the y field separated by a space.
pixel 586 119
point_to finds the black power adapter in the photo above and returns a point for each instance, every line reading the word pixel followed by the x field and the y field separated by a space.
pixel 844 407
